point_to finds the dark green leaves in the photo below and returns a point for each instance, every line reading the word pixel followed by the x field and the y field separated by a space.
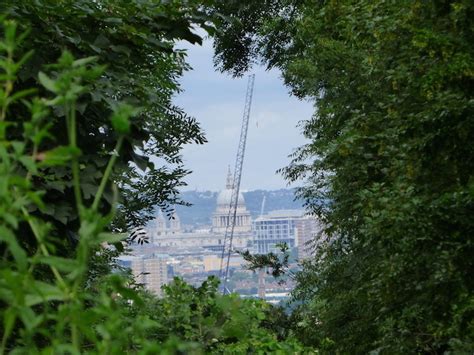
pixel 43 292
pixel 389 154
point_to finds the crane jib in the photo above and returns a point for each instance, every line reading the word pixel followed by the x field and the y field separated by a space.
pixel 229 232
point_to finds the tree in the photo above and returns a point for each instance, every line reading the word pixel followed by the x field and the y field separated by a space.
pixel 79 108
pixel 135 41
pixel 390 155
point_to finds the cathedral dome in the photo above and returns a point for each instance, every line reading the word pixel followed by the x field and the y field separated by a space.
pixel 224 197
pixel 221 218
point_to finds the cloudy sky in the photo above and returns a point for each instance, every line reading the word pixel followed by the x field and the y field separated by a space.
pixel 217 101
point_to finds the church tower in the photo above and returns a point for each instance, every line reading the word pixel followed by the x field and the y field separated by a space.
pixel 160 222
pixel 175 223
pixel 160 226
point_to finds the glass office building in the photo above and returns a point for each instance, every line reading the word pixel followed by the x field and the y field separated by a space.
pixel 275 228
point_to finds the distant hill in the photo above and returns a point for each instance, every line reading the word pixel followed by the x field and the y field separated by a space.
pixel 204 204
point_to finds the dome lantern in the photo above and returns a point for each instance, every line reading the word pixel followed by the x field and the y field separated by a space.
pixel 229 185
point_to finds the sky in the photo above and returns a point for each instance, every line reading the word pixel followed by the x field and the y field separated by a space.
pixel 217 101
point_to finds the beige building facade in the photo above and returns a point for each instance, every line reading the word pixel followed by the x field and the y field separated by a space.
pixel 152 271
pixel 213 262
pixel 306 231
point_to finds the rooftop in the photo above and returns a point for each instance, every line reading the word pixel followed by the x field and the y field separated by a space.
pixel 283 214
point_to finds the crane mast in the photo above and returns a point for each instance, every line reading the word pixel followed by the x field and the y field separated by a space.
pixel 229 232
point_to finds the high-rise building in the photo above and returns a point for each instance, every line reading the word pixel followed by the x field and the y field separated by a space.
pixel 277 227
pixel 292 227
pixel 150 270
pixel 213 262
pixel 157 228
pixel 307 229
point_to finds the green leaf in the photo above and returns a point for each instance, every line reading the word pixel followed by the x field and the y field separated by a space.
pixel 6 293
pixel 26 57
pixel 10 219
pixel 47 82
pixel 88 190
pixel 9 318
pixel 111 237
pixel 84 61
pixel 35 197
pixel 17 251
pixel 3 127
pixel 21 94
pixel 121 49
pixel 66 59
pixel 121 118
pixel 29 164
pixel 119 246
pixel 40 292
pixel 18 147
pixel 101 41
pixel 116 20
pixel 60 156
pixel 141 161
pixel 29 318
pixel 62 264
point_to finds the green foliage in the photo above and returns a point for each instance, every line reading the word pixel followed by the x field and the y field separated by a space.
pixel 216 323
pixel 391 156
pixel 278 262
pixel 77 300
pixel 40 289
pixel 135 40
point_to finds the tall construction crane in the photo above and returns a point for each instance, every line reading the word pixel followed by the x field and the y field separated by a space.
pixel 229 232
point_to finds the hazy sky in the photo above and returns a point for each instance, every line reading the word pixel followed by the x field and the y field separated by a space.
pixel 217 101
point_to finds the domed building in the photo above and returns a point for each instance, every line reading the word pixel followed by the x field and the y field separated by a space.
pixel 220 218
pixel 210 239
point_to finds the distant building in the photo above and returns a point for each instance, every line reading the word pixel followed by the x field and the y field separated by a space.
pixel 275 228
pixel 150 270
pixel 175 223
pixel 213 262
pixel 292 227
pixel 213 239
pixel 306 229
pixel 220 218
pixel 159 226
